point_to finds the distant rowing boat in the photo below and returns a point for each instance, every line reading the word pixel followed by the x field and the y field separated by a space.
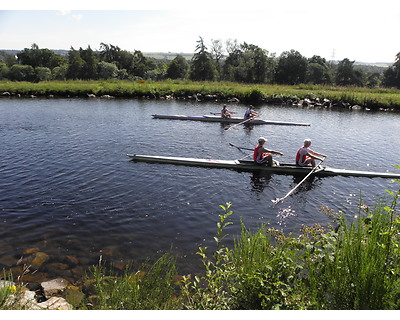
pixel 247 165
pixel 213 118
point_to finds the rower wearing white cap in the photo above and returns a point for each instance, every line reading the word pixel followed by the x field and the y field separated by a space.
pixel 305 156
pixel 262 155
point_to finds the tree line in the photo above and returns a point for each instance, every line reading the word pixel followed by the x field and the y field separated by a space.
pixel 229 61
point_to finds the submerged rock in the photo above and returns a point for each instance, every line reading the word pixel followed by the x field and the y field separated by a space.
pixel 39 260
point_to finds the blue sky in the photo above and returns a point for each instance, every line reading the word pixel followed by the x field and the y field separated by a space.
pixel 358 30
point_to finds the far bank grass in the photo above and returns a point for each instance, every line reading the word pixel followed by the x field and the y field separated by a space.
pixel 246 93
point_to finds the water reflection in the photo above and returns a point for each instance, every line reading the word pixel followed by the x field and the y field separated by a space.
pixel 259 180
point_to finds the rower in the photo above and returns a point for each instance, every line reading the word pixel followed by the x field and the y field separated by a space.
pixel 305 156
pixel 225 113
pixel 250 113
pixel 262 155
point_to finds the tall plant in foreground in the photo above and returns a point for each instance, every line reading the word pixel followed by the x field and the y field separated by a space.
pixel 253 275
pixel 350 265
pixel 357 265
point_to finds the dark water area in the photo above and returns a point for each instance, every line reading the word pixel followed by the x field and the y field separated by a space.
pixel 68 189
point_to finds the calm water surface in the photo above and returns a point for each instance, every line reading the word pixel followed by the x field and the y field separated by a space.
pixel 68 188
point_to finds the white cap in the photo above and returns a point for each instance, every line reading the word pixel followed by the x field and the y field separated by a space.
pixel 262 139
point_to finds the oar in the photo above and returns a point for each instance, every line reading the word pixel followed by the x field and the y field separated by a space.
pixel 238 124
pixel 291 191
pixel 249 155
pixel 240 148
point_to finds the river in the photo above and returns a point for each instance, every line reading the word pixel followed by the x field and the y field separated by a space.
pixel 69 190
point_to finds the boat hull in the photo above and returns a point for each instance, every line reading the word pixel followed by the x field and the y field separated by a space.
pixel 219 119
pixel 246 165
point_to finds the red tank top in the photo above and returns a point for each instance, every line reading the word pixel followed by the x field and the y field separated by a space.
pixel 298 156
pixel 255 155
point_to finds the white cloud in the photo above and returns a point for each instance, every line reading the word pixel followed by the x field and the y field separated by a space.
pixel 77 17
pixel 63 12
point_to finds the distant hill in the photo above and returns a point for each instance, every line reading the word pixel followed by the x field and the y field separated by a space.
pixel 167 56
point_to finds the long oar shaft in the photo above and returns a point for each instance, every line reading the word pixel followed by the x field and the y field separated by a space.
pixel 238 124
pixel 240 148
pixel 294 189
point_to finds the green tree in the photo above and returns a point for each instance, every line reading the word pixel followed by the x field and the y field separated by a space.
pixel 36 57
pixel 60 72
pixel 75 64
pixel 202 67
pixel 346 74
pixel 177 68
pixel 19 72
pixel 113 54
pixel 142 65
pixel 107 70
pixel 248 63
pixel 43 74
pixel 319 71
pixel 374 80
pixel 3 71
pixel 291 68
pixel 122 74
pixel 7 58
pixel 217 53
pixel 90 65
pixel 391 76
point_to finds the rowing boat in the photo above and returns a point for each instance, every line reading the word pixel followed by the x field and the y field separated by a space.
pixel 247 165
pixel 213 118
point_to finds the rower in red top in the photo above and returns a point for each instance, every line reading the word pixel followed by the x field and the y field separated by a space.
pixel 305 156
pixel 262 155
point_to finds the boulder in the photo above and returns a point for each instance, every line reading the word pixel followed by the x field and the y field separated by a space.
pixel 53 287
pixel 55 303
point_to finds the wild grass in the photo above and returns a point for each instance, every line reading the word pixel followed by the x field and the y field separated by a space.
pixel 348 264
pixel 150 288
pixel 367 97
pixel 10 294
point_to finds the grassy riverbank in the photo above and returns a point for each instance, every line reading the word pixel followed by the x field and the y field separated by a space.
pixel 221 91
pixel 345 265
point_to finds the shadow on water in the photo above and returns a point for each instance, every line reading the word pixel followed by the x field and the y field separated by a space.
pixel 260 180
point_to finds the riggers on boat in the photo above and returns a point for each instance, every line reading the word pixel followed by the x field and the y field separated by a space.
pixel 247 165
pixel 213 118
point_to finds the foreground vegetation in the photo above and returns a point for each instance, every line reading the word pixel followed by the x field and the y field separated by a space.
pixel 345 265
pixel 223 91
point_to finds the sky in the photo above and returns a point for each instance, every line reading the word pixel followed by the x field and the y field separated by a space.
pixel 365 31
